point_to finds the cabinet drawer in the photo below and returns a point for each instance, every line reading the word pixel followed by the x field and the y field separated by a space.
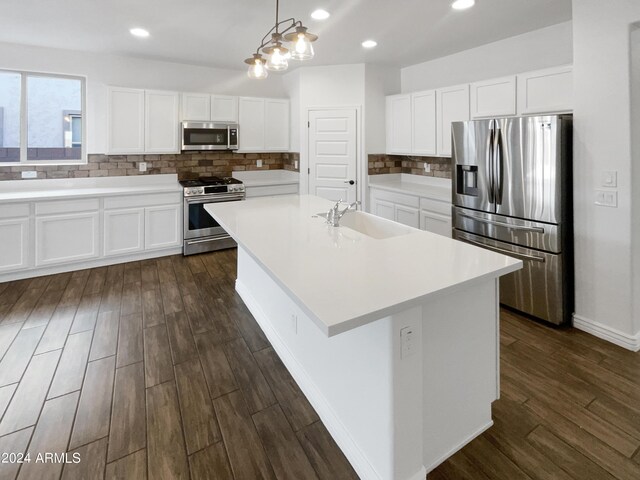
pixel 14 210
pixel 67 206
pixel 443 208
pixel 397 198
pixel 131 201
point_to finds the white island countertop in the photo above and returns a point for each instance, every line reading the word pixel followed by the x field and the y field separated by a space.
pixel 342 278
pixel 55 189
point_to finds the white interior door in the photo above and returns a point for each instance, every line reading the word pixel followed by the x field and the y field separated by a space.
pixel 332 154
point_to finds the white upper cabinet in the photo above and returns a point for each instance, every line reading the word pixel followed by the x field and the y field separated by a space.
pixel 452 106
pixel 546 91
pixel 263 124
pixel 224 108
pixel 161 132
pixel 202 107
pixel 143 121
pixel 251 123
pixel 398 117
pixel 276 125
pixel 423 122
pixel 126 120
pixel 494 98
pixel 196 106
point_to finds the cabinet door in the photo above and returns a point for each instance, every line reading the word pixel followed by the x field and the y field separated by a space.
pixel 493 98
pixel 14 253
pixel 435 223
pixel 276 125
pixel 162 227
pixel 224 108
pixel 423 108
pixel 453 106
pixel 67 238
pixel 123 231
pixel 251 123
pixel 407 216
pixel 383 209
pixel 126 120
pixel 161 132
pixel 398 113
pixel 546 91
pixel 196 106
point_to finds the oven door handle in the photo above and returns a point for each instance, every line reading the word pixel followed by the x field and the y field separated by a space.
pixel 214 199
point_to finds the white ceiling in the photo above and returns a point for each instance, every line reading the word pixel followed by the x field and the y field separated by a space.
pixel 222 33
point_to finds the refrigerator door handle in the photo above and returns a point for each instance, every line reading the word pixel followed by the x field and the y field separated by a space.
pixel 490 168
pixel 502 224
pixel 497 164
pixel 520 256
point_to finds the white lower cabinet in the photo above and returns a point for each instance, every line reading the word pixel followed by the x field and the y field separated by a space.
pixel 14 253
pixel 123 231
pixel 162 227
pixel 418 212
pixel 67 237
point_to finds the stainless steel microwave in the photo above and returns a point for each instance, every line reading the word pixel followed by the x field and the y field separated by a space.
pixel 209 136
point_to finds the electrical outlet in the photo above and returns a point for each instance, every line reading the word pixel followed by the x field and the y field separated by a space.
pixel 609 178
pixel 142 166
pixel 295 164
pixel 427 167
pixel 258 163
pixel 29 174
pixel 607 198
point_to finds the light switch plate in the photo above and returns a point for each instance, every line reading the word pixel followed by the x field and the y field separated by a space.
pixel 609 178
pixel 258 163
pixel 142 166
pixel 427 167
pixel 607 198
pixel 29 174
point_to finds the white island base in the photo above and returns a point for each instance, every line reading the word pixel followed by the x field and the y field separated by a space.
pixel 401 394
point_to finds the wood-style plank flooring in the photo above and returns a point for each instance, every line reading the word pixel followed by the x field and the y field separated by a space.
pixel 156 370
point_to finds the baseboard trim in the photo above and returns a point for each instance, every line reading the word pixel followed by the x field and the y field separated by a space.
pixel 98 262
pixel 455 449
pixel 630 342
pixel 326 413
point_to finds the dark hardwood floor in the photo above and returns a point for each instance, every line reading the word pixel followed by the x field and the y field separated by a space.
pixel 156 369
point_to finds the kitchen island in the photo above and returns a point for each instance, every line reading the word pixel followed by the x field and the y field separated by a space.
pixel 391 332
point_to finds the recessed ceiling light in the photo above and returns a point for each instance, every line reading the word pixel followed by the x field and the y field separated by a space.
pixel 139 32
pixel 369 43
pixel 463 4
pixel 320 14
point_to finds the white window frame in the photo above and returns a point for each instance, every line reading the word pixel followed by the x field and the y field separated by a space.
pixel 24 123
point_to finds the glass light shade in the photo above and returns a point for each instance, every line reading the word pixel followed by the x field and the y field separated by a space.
pixel 277 61
pixel 302 48
pixel 257 70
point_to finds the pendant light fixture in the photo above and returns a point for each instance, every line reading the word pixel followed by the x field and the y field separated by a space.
pixel 278 55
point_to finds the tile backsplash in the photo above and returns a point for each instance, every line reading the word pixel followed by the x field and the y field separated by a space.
pixel 186 165
pixel 382 163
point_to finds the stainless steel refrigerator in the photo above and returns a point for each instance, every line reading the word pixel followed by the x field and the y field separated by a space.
pixel 512 193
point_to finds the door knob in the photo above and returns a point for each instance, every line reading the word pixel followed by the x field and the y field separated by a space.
pixel 350 182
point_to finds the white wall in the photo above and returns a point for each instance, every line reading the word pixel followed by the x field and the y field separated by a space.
pixel 103 70
pixel 379 82
pixel 602 141
pixel 547 47
pixel 635 167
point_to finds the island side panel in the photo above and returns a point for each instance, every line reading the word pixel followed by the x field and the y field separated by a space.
pixel 460 355
pixel 351 379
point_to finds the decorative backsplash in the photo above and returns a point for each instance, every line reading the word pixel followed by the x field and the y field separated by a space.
pixel 186 165
pixel 382 163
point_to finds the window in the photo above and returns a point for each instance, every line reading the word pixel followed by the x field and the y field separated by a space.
pixel 41 118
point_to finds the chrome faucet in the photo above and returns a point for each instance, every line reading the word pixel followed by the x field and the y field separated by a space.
pixel 334 214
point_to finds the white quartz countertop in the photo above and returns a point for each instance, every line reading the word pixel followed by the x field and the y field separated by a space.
pixel 261 178
pixel 430 187
pixel 32 190
pixel 342 278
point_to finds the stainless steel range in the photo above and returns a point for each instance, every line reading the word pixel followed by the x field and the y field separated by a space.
pixel 201 232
